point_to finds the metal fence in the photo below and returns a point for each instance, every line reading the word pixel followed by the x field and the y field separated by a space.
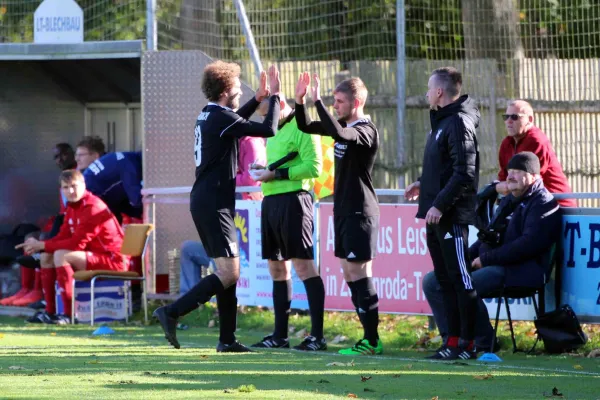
pixel 545 51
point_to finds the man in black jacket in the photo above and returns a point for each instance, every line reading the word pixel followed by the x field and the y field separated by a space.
pixel 514 250
pixel 447 192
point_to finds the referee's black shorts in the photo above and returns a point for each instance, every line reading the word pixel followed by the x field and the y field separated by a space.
pixel 213 210
pixel 287 226
pixel 356 237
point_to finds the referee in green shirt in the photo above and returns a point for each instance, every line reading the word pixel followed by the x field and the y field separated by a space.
pixel 287 227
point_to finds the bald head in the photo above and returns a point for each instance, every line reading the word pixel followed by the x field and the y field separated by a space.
pixel 523 106
pixel 518 118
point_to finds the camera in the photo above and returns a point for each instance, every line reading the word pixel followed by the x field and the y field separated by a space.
pixel 491 237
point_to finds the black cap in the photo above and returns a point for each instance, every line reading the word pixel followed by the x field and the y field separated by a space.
pixel 525 161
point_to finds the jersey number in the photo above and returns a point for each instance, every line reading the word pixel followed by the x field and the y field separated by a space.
pixel 197 145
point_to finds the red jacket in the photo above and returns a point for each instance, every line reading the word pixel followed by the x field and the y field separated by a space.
pixel 88 225
pixel 551 171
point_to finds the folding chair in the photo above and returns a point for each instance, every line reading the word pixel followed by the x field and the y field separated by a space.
pixel 135 243
pixel 513 292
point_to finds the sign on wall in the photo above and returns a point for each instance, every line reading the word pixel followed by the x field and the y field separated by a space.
pixel 58 21
pixel 581 264
pixel 402 262
pixel 255 286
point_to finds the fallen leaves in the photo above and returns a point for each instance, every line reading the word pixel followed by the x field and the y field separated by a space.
pixel 246 388
pixel 594 353
pixel 339 339
pixel 352 396
pixel 483 377
pixel 365 378
pixel 578 367
pixel 341 364
pixel 555 393
pixel 323 381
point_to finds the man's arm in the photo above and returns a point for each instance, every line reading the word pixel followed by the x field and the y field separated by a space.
pixel 305 124
pixel 309 151
pixel 91 223
pixel 542 222
pixel 241 127
pixel 463 153
pixel 249 108
pixel 362 137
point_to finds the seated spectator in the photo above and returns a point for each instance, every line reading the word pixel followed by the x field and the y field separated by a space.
pixel 192 261
pixel 89 149
pixel 90 238
pixel 31 293
pixel 117 179
pixel 252 150
pixel 523 135
pixel 511 252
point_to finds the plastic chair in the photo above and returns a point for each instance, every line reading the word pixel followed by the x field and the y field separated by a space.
pixel 134 244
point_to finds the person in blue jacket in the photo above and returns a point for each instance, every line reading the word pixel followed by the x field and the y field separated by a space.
pixel 117 179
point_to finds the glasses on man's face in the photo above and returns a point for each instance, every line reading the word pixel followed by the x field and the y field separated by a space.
pixel 514 117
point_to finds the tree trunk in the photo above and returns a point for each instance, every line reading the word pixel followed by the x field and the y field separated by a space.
pixel 491 30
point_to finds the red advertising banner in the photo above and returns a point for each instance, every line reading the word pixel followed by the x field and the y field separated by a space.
pixel 402 262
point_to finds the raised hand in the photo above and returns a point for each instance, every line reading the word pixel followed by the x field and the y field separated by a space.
pixel 302 87
pixel 263 91
pixel 315 89
pixel 274 81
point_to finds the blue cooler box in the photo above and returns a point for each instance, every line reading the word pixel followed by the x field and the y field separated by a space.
pixel 109 299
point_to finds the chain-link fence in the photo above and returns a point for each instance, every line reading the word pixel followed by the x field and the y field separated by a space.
pixel 545 51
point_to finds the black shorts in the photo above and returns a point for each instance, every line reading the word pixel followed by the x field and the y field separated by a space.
pixel 287 226
pixel 356 237
pixel 217 232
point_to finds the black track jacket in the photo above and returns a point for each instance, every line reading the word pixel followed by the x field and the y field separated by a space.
pixel 451 162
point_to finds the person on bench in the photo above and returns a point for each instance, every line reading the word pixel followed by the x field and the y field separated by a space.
pixel 511 251
pixel 90 238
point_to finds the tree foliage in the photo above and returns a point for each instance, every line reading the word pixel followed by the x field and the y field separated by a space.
pixel 334 29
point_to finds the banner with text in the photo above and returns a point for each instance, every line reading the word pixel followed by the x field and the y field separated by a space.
pixel 402 262
pixel 255 286
pixel 581 264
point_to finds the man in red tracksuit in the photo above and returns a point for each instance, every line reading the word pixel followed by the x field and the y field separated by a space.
pixel 90 238
pixel 523 135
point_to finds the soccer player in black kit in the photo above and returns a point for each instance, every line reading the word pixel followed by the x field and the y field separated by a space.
pixel 355 205
pixel 212 201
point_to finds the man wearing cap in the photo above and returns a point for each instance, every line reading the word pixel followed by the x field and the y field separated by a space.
pixel 512 250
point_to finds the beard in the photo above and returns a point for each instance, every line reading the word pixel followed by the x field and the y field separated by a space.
pixel 233 102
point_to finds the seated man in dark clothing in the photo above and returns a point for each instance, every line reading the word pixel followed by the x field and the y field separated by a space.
pixel 513 250
pixel 117 179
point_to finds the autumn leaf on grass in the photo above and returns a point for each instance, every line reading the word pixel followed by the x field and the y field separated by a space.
pixel 483 377
pixel 341 364
pixel 246 388
pixel 365 378
pixel 577 366
pixel 555 393
pixel 435 398
pixel 352 396
pixel 1 335
pixel 52 333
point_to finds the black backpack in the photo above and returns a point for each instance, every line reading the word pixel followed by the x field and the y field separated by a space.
pixel 560 330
